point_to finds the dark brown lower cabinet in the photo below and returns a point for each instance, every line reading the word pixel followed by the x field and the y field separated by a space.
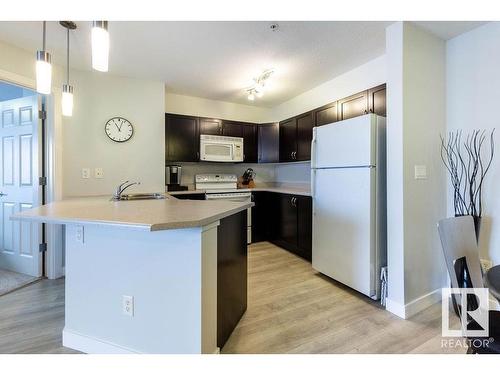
pixel 285 220
pixel 192 196
pixel 231 274
pixel 304 226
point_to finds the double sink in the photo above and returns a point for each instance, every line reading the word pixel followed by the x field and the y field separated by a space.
pixel 137 197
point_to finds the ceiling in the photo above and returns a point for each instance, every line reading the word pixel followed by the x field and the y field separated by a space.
pixel 218 60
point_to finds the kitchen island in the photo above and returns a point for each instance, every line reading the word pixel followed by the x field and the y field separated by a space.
pixel 141 276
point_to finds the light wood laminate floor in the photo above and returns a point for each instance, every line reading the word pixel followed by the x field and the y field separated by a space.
pixel 291 309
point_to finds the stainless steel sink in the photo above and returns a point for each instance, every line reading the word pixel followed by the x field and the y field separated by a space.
pixel 136 197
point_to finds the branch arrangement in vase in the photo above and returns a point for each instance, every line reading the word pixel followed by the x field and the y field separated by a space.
pixel 467 159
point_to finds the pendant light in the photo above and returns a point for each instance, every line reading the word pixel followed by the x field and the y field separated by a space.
pixel 100 45
pixel 67 89
pixel 43 68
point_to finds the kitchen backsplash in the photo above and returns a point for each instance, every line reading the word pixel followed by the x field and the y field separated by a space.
pixel 293 172
pixel 265 173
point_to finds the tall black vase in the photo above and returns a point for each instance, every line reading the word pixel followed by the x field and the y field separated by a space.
pixel 477 226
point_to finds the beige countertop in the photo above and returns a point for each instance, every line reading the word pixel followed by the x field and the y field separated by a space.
pixel 296 189
pixel 150 215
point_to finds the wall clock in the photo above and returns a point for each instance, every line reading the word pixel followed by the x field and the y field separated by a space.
pixel 119 129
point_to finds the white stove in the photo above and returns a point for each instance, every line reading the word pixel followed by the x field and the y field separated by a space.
pixel 216 181
pixel 216 187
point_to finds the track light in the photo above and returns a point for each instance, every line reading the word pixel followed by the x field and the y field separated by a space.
pixel 43 68
pixel 100 45
pixel 258 88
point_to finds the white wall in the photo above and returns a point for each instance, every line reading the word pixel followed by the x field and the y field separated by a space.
pixel 97 98
pixel 371 74
pixel 293 172
pixel 190 105
pixel 416 116
pixel 473 79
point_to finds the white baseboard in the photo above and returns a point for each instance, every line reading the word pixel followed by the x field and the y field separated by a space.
pixel 395 308
pixel 423 302
pixel 415 306
pixel 91 345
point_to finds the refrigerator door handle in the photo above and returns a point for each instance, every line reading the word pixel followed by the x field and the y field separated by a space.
pixel 313 150
pixel 313 182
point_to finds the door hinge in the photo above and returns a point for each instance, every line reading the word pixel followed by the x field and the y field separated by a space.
pixel 42 247
pixel 42 181
pixel 42 115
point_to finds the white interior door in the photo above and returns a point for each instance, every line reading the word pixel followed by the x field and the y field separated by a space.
pixel 344 244
pixel 19 164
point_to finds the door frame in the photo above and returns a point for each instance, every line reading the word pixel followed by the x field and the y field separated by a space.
pixel 53 169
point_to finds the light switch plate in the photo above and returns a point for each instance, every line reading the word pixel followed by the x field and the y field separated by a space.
pixel 99 173
pixel 128 305
pixel 80 234
pixel 85 172
pixel 420 172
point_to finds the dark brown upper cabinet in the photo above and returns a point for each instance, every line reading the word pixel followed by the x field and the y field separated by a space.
pixel 210 126
pixel 181 138
pixel 352 106
pixel 246 131
pixel 232 128
pixel 326 114
pixel 250 143
pixel 268 143
pixel 304 136
pixel 377 100
pixel 288 140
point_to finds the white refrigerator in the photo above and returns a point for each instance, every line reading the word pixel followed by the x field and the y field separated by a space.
pixel 348 184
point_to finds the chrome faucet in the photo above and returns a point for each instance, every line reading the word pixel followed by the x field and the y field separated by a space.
pixel 121 188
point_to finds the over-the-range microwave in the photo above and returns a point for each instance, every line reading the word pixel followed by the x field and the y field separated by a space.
pixel 220 148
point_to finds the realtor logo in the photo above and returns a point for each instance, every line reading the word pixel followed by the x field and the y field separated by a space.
pixel 474 303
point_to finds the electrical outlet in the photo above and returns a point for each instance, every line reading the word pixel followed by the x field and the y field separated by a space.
pixel 128 305
pixel 85 172
pixel 99 173
pixel 486 264
pixel 79 233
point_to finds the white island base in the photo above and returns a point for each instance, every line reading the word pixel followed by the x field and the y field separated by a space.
pixel 170 274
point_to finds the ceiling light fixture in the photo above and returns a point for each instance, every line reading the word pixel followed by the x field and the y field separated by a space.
pixel 258 88
pixel 43 68
pixel 67 89
pixel 100 45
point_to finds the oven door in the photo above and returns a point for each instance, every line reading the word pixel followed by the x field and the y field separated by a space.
pixel 236 197
pixel 216 151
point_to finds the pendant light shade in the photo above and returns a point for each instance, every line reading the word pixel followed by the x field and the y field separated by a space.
pixel 67 89
pixel 67 100
pixel 43 69
pixel 100 45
